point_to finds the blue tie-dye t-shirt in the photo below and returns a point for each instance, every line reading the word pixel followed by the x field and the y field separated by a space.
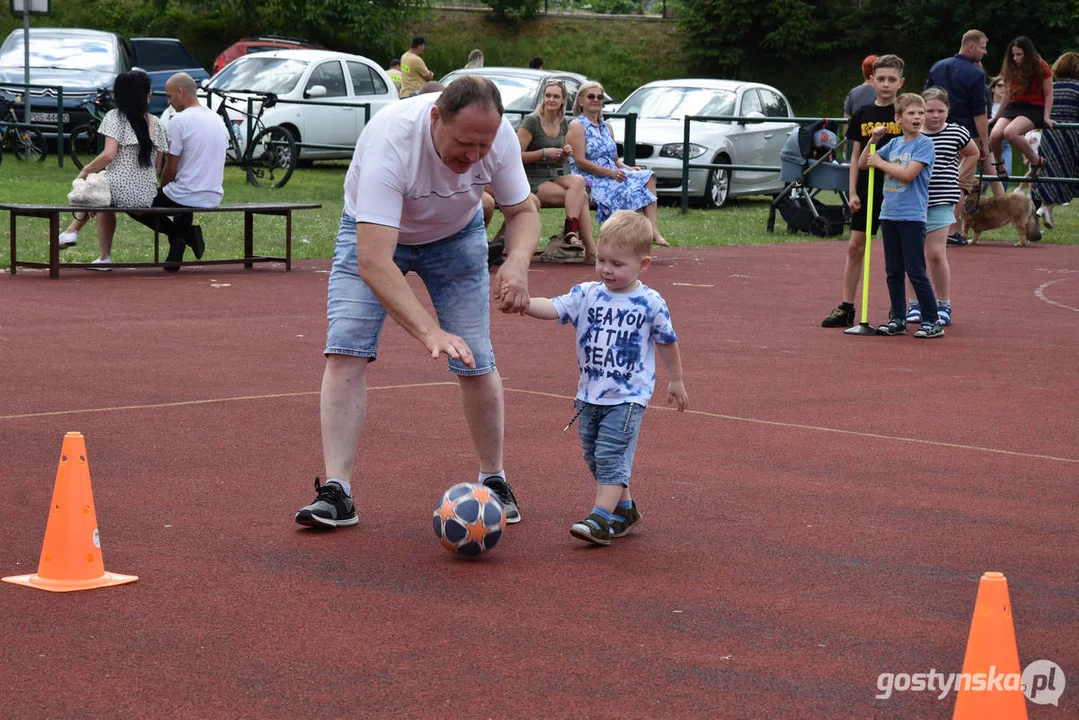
pixel 616 336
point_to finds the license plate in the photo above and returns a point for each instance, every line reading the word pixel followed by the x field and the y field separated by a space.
pixel 47 118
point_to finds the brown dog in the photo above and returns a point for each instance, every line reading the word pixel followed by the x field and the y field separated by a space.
pixel 989 213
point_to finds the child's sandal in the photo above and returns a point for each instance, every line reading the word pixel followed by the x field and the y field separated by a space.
pixel 1002 171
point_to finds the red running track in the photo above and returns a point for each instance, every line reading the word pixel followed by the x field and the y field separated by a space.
pixel 821 515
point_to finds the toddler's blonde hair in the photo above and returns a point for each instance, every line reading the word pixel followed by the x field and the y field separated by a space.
pixel 627 229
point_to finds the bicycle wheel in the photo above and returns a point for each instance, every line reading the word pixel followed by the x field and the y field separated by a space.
pixel 83 145
pixel 271 158
pixel 28 144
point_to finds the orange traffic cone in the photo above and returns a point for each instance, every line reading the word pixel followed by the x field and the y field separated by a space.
pixel 71 554
pixel 990 688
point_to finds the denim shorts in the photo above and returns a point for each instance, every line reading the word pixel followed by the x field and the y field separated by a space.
pixel 940 216
pixel 454 270
pixel 609 439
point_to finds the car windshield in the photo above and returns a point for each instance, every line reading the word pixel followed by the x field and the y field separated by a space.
pixel 260 74
pixel 678 102
pixel 65 52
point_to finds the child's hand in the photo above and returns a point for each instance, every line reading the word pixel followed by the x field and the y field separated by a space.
pixel 854 203
pixel 878 133
pixel 875 161
pixel 676 393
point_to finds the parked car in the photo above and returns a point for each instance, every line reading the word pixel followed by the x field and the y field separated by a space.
pixel 661 107
pixel 260 44
pixel 162 58
pixel 80 62
pixel 344 81
pixel 522 88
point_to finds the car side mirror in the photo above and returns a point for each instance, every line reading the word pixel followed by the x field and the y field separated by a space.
pixel 755 115
pixel 315 91
pixel 204 83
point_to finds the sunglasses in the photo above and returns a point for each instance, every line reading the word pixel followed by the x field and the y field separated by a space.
pixel 592 96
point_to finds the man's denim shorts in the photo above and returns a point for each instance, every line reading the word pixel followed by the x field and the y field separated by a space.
pixel 454 270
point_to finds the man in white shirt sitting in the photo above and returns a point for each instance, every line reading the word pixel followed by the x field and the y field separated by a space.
pixel 193 172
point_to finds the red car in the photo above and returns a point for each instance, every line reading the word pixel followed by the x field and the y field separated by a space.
pixel 260 44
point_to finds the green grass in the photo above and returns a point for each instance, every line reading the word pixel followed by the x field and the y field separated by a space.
pixel 742 222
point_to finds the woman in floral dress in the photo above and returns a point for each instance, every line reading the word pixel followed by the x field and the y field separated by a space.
pixel 614 185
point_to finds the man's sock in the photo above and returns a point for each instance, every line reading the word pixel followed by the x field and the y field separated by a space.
pixel 603 514
pixel 501 475
pixel 343 484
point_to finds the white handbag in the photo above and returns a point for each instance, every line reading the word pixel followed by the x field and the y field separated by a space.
pixel 94 191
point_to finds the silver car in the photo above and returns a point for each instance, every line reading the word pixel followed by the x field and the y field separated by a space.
pixel 522 88
pixel 661 107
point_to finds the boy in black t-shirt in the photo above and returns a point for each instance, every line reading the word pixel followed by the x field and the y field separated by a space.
pixel 888 78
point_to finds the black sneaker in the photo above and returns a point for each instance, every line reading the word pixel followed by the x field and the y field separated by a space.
pixel 839 318
pixel 504 492
pixel 198 245
pixel 956 238
pixel 175 256
pixel 332 508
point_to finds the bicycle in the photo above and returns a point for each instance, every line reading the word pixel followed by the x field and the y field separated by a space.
pixel 27 143
pixel 272 155
pixel 84 143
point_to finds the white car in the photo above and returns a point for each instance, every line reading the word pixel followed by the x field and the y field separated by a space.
pixel 661 107
pixel 339 80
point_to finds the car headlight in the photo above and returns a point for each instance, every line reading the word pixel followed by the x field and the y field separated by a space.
pixel 674 150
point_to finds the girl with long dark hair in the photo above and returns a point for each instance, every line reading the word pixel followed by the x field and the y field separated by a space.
pixel 1027 104
pixel 135 145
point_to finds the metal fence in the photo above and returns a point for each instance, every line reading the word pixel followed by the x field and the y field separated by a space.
pixel 687 165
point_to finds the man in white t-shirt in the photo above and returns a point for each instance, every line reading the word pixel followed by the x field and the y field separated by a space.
pixel 194 169
pixel 412 203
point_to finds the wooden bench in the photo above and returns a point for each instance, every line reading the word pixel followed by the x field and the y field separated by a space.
pixel 250 210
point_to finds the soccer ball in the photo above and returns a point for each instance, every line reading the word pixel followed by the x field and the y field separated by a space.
pixel 469 519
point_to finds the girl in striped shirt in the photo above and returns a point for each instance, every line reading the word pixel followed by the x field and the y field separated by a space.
pixel 953 146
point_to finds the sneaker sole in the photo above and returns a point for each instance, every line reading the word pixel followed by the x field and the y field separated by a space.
pixel 513 520
pixel 309 520
pixel 587 536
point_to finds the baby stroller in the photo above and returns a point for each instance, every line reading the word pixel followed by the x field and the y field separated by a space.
pixel 808 165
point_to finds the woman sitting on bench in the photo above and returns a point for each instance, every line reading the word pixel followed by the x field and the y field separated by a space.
pixel 544 152
pixel 135 145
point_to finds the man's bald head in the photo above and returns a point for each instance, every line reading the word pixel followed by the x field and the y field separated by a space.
pixel 181 91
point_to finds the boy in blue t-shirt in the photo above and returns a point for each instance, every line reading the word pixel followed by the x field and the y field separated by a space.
pixel 621 326
pixel 907 164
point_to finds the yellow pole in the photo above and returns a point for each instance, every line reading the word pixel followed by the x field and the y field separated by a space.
pixel 868 243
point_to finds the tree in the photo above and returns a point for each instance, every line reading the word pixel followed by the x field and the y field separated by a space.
pixel 725 33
